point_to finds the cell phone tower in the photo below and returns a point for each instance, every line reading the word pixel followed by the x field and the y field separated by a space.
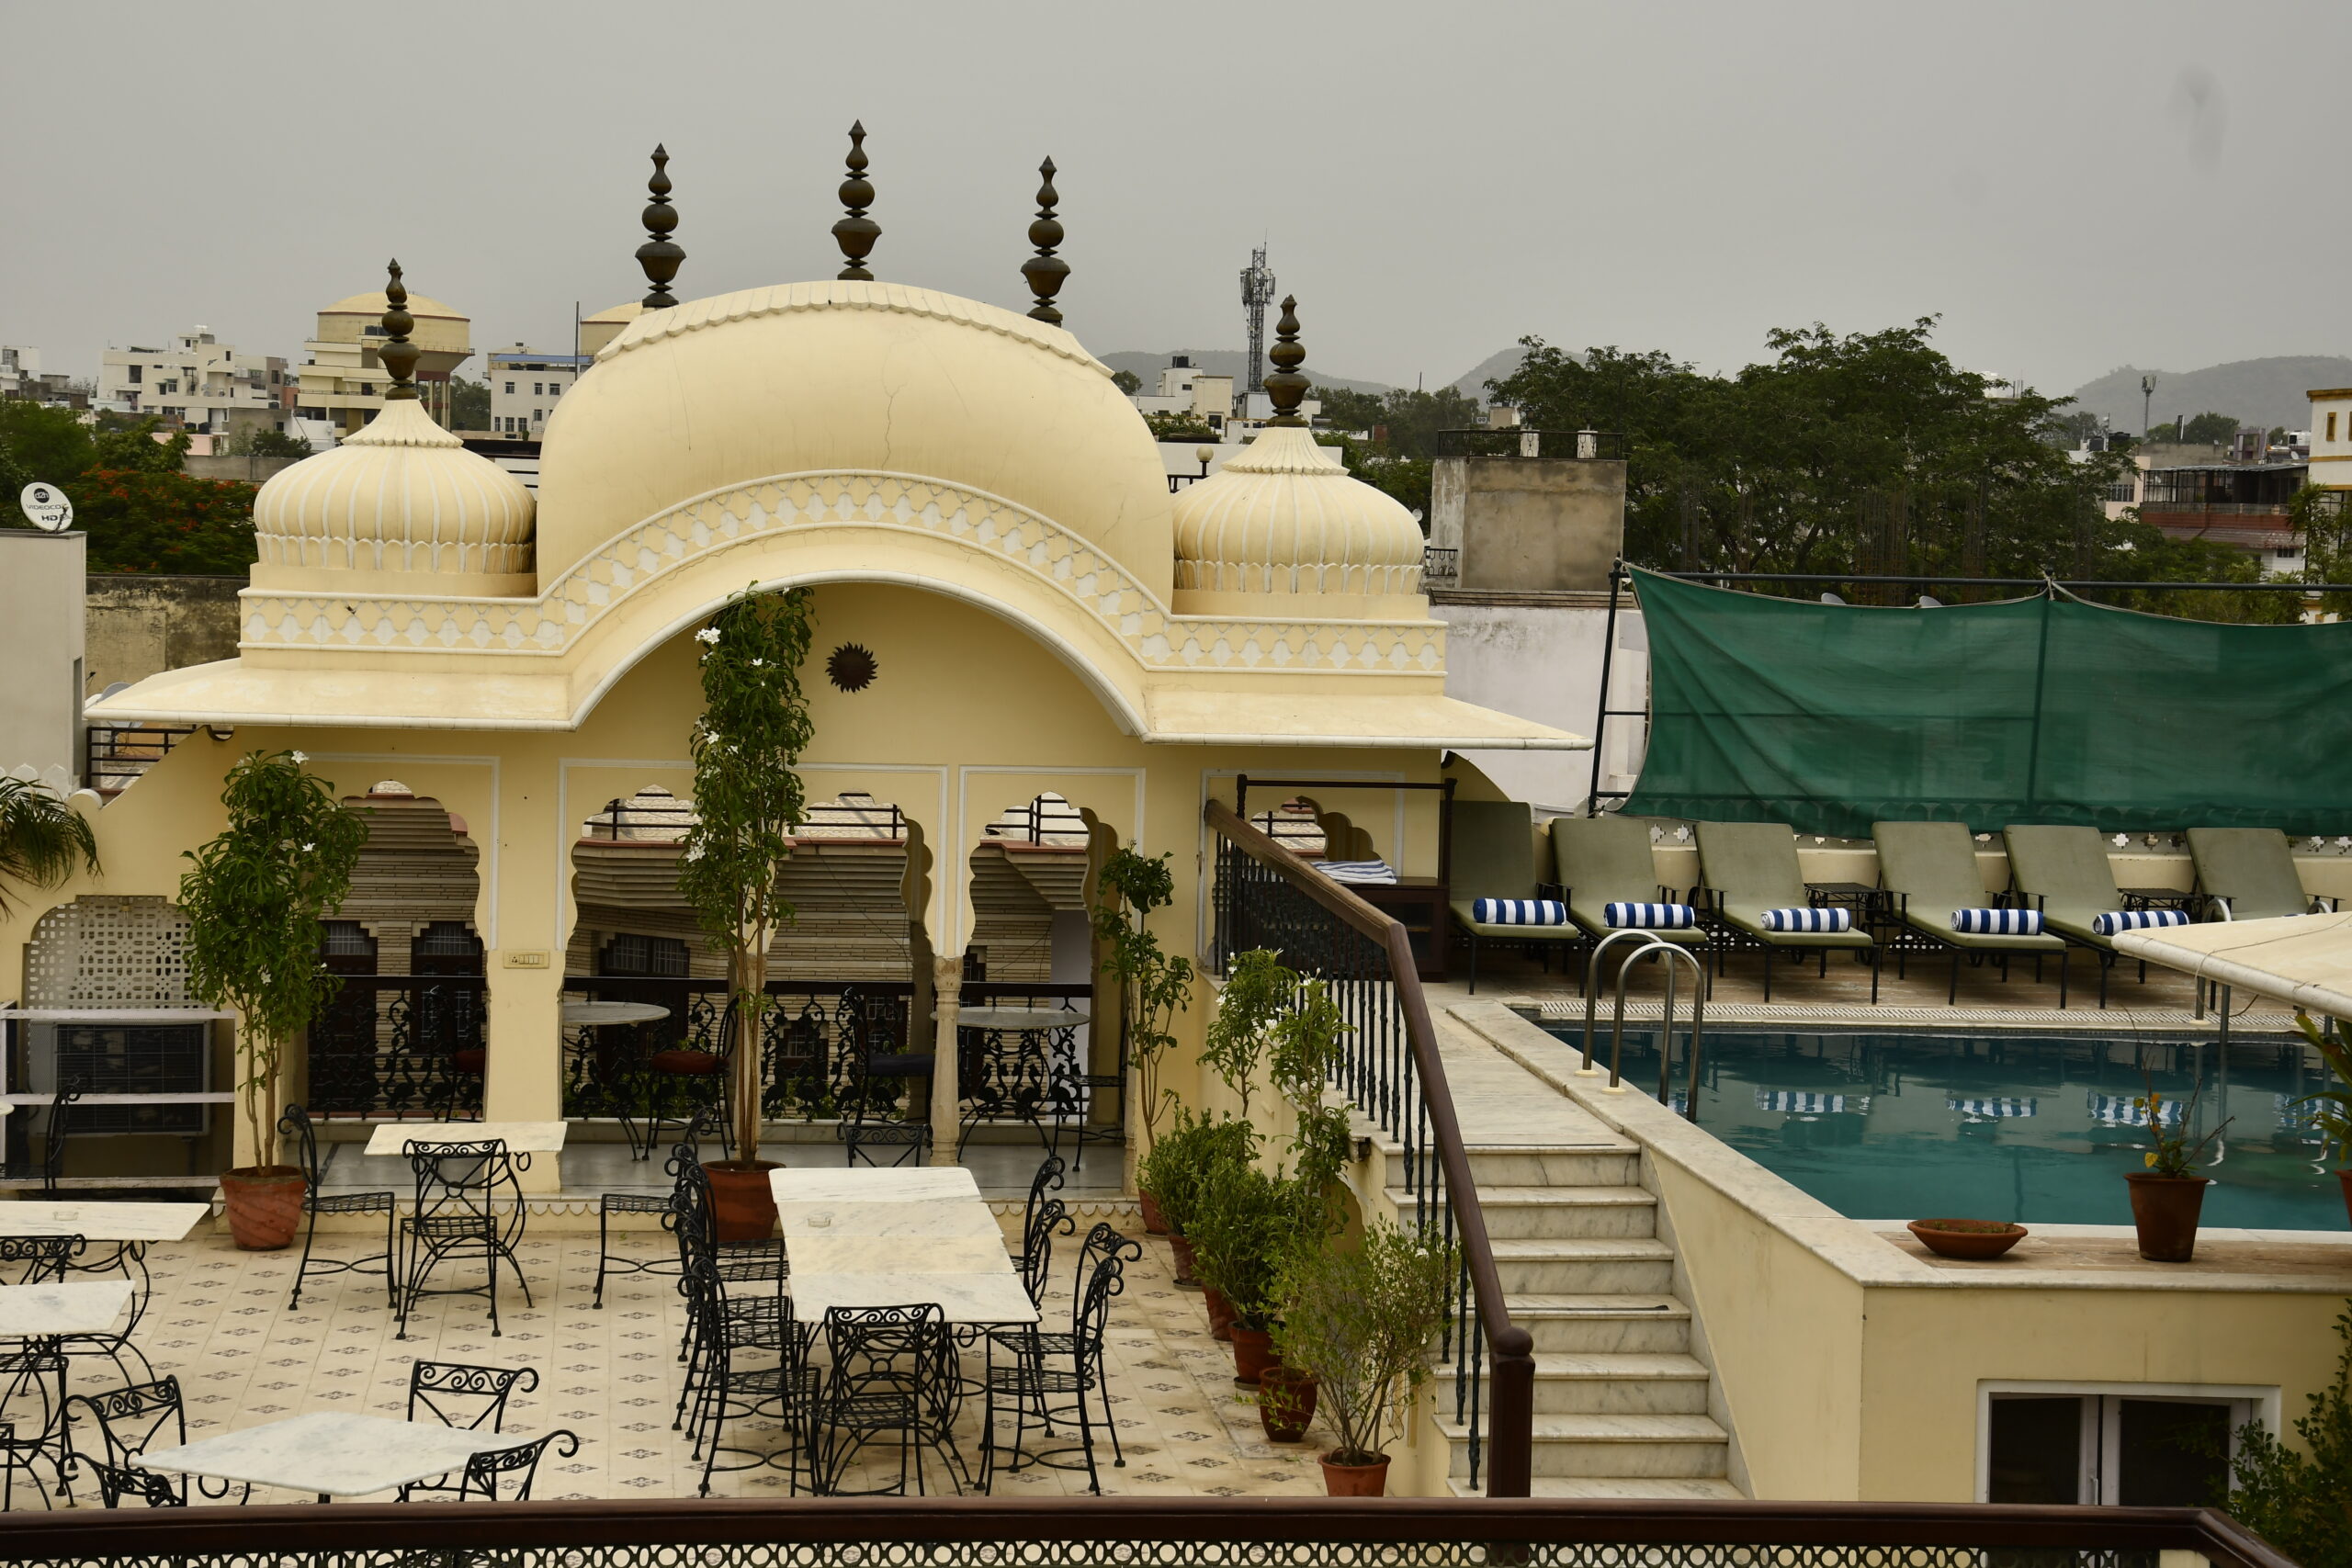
pixel 1257 293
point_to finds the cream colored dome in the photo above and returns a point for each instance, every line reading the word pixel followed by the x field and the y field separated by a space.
pixel 829 378
pixel 400 507
pixel 373 307
pixel 1285 518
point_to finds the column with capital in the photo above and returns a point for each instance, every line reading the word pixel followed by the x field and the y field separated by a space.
pixel 946 1096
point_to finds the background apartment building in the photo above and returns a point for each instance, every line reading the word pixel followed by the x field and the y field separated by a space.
pixel 339 379
pixel 525 385
pixel 198 383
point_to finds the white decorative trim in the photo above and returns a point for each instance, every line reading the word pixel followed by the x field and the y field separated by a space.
pixel 553 622
pixel 783 298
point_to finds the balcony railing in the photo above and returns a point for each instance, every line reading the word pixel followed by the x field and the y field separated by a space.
pixel 1525 441
pixel 1132 1532
pixel 400 1046
pixel 114 756
pixel 1266 896
pixel 1439 564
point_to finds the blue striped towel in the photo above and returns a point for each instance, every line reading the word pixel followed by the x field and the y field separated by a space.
pixel 1519 912
pixel 1993 1107
pixel 1997 922
pixel 1807 921
pixel 1650 916
pixel 2116 921
pixel 1367 872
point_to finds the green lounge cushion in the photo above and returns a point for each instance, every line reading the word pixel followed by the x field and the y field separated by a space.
pixel 1752 867
pixel 1933 866
pixel 2252 868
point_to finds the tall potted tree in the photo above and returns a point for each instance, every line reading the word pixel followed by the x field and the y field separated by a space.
pixel 1154 986
pixel 748 800
pixel 253 899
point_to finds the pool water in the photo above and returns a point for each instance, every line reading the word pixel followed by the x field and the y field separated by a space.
pixel 1911 1125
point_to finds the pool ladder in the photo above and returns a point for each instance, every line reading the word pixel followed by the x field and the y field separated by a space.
pixel 1675 955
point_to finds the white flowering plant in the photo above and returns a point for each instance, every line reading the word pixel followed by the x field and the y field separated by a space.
pixel 748 800
pixel 254 900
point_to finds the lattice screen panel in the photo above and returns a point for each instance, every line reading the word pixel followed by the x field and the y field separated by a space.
pixel 105 951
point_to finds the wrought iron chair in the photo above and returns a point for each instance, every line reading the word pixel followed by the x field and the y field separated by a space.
pixel 748 1360
pixel 469 1398
pixel 126 1422
pixel 1046 1367
pixel 48 1260
pixel 878 1081
pixel 469 1203
pixel 891 1375
pixel 36 1260
pixel 484 1471
pixel 1042 1218
pixel 32 1422
pixel 297 1125
pixel 692 1087
pixel 54 1131
pixel 666 1204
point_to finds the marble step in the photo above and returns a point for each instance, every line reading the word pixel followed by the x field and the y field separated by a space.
pixel 1636 1488
pixel 1618 1384
pixel 1597 1325
pixel 1588 1265
pixel 1682 1448
pixel 1614 1164
pixel 1527 1212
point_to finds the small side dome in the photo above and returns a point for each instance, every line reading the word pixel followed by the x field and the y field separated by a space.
pixel 400 507
pixel 602 328
pixel 1285 518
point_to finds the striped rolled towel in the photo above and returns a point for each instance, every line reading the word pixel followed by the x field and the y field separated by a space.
pixel 1364 873
pixel 1650 916
pixel 2116 921
pixel 1997 922
pixel 1808 920
pixel 1519 912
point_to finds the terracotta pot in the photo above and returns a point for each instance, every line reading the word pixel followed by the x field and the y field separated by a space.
pixel 1182 1250
pixel 2165 1209
pixel 265 1205
pixel 1220 1313
pixel 1286 1402
pixel 742 1203
pixel 1355 1480
pixel 1154 1222
pixel 1967 1238
pixel 1253 1352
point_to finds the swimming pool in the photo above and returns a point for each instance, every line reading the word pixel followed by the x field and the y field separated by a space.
pixel 1906 1125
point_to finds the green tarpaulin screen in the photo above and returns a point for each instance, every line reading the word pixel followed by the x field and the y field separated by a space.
pixel 1830 717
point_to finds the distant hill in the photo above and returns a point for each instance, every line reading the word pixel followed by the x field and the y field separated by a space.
pixel 1494 368
pixel 2268 392
pixel 1147 364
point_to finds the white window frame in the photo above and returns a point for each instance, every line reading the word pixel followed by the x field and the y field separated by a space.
pixel 2253 1402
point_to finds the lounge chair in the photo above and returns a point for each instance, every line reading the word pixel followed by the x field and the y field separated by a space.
pixel 1606 860
pixel 2249 872
pixel 1930 867
pixel 1747 869
pixel 1494 857
pixel 2064 873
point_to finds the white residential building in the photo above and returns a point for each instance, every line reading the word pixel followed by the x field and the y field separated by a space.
pixel 198 383
pixel 21 377
pixel 524 387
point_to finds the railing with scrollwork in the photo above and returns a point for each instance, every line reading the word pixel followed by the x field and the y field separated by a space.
pixel 400 1046
pixel 1389 1071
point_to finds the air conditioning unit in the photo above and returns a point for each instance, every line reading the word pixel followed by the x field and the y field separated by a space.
pixel 125 1058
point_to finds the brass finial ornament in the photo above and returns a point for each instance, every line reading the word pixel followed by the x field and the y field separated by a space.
pixel 856 234
pixel 1286 387
pixel 396 354
pixel 1046 271
pixel 660 255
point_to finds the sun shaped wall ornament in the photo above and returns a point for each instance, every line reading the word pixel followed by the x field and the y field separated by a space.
pixel 850 667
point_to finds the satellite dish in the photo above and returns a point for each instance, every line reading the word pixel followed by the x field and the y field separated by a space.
pixel 45 506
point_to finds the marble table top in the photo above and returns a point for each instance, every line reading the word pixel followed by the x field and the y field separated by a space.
pixel 902 1184
pixel 824 1252
pixel 329 1453
pixel 577 1014
pixel 520 1137
pixel 103 1221
pixel 905 1221
pixel 963 1298
pixel 33 1311
pixel 1022 1020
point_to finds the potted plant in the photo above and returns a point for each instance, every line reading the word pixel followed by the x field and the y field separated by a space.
pixel 2168 1195
pixel 1286 1402
pixel 748 800
pixel 2332 1116
pixel 1184 1162
pixel 1248 1224
pixel 253 902
pixel 1153 986
pixel 1365 1323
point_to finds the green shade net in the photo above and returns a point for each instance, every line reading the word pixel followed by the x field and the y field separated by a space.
pixel 1830 717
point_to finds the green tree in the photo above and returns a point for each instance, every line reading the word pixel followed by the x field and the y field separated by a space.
pixel 266 441
pixel 37 443
pixel 168 522
pixel 1177 427
pixel 2207 429
pixel 468 405
pixel 1401 422
pixel 43 838
pixel 134 449
pixel 2302 1502
pixel 748 800
pixel 1128 381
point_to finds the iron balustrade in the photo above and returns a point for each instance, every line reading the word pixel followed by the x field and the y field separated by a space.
pixel 400 1046
pixel 115 756
pixel 1440 564
pixel 1526 441
pixel 1132 1532
pixel 1389 1069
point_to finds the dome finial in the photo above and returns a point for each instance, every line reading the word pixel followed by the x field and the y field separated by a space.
pixel 1046 271
pixel 856 234
pixel 398 354
pixel 1286 387
pixel 660 255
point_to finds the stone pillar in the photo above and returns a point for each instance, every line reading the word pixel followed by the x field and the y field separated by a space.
pixel 523 964
pixel 947 1098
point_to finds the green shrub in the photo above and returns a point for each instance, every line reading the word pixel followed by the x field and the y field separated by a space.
pixel 2301 1503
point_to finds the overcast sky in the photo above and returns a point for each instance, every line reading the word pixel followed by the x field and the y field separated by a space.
pixel 2074 187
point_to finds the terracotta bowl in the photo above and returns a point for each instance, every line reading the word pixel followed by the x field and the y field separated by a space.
pixel 1967 1238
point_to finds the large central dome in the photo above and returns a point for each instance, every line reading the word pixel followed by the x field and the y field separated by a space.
pixel 812 378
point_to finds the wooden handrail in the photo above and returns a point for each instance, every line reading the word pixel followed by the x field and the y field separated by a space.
pixel 1510 1410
